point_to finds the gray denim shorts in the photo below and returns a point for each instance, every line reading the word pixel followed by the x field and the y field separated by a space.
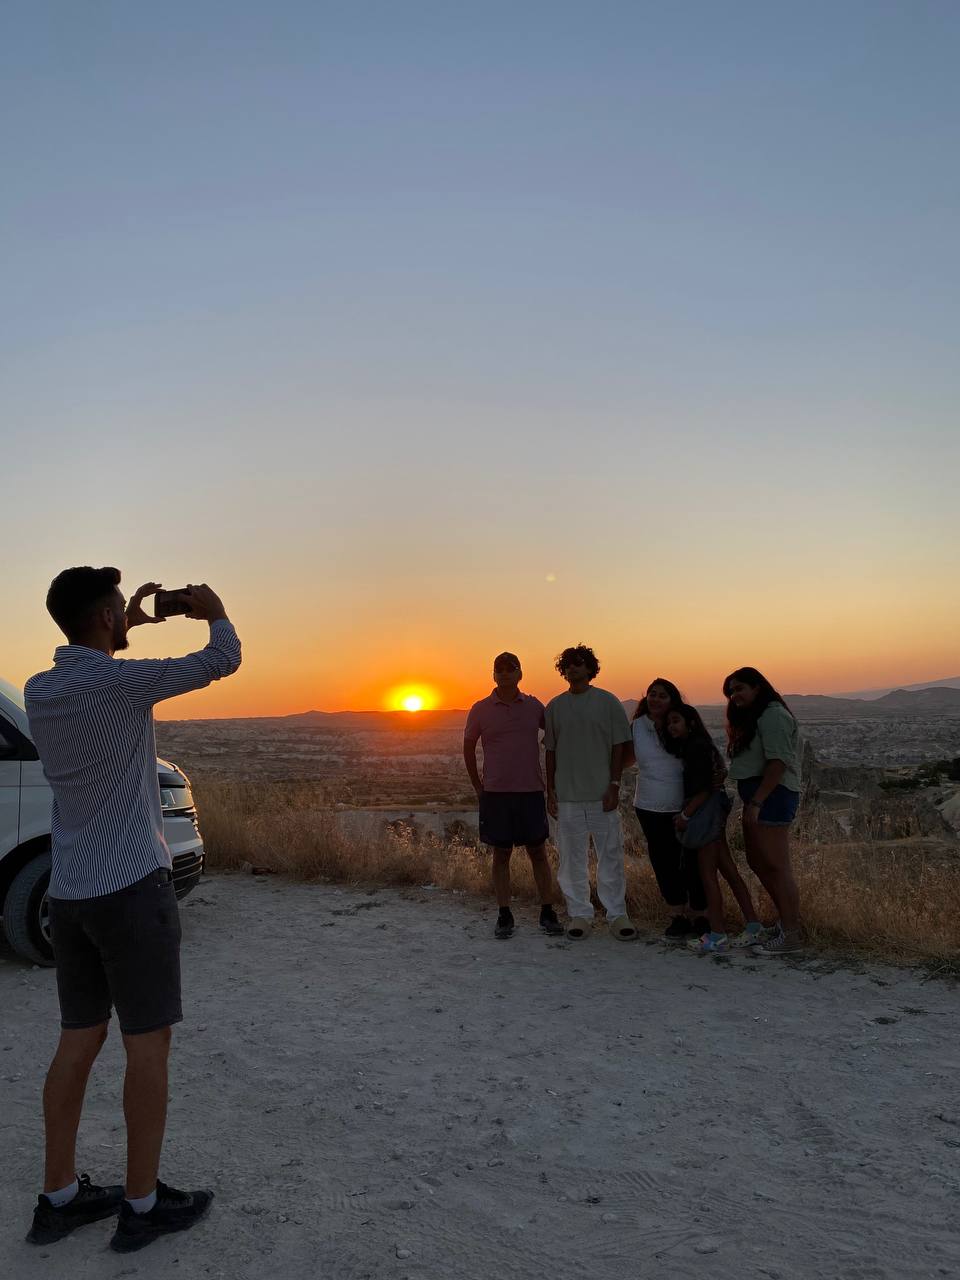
pixel 709 823
pixel 119 951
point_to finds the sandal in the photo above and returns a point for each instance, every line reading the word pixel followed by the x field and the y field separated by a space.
pixel 579 928
pixel 622 929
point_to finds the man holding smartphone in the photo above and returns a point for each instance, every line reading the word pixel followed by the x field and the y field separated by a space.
pixel 114 918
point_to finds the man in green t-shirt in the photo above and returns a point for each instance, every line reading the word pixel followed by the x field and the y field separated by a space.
pixel 586 731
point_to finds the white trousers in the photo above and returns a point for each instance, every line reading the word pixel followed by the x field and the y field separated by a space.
pixel 576 823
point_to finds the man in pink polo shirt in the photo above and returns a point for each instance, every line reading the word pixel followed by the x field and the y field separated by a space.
pixel 512 806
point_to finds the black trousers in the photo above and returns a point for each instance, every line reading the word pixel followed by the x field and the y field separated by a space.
pixel 677 869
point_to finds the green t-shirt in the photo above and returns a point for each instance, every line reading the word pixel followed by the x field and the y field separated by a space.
pixel 777 738
pixel 583 728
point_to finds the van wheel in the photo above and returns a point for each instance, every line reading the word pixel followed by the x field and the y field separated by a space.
pixel 26 912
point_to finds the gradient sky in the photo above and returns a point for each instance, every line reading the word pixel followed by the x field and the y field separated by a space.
pixel 424 330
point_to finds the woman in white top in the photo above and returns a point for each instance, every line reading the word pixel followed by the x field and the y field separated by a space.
pixel 658 800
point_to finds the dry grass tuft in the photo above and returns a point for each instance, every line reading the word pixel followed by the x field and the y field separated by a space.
pixel 899 900
pixel 896 900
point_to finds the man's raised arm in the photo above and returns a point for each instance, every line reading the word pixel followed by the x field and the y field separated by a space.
pixel 147 681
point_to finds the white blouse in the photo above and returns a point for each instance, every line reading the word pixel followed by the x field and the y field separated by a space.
pixel 659 774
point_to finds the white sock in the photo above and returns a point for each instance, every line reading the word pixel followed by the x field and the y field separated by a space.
pixel 59 1198
pixel 144 1203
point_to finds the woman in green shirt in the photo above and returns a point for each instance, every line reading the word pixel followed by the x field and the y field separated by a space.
pixel 764 749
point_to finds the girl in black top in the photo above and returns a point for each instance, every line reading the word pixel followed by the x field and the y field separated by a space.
pixel 702 825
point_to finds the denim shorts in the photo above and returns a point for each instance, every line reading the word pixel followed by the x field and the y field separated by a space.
pixel 708 824
pixel 780 807
pixel 119 951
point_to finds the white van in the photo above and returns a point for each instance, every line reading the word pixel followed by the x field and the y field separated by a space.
pixel 25 815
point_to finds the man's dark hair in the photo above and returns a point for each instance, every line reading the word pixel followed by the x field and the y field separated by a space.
pixel 76 594
pixel 579 653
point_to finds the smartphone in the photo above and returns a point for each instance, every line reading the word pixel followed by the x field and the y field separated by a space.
pixel 167 605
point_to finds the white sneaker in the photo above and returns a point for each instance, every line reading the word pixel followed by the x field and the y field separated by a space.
pixel 754 935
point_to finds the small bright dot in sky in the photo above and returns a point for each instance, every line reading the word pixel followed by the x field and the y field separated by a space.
pixel 413 703
pixel 551 577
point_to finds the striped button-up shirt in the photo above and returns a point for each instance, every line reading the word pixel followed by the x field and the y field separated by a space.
pixel 91 717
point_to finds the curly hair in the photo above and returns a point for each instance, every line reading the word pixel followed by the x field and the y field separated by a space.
pixel 75 595
pixel 579 653
pixel 676 697
pixel 742 721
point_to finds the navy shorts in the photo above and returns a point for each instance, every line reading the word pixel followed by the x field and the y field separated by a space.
pixel 508 818
pixel 121 951
pixel 780 807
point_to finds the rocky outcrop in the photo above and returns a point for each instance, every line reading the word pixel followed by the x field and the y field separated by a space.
pixel 947 801
pixel 849 802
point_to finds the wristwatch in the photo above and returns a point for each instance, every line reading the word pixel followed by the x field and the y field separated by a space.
pixel 615 784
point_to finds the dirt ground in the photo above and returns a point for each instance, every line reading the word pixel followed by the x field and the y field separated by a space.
pixel 375 1087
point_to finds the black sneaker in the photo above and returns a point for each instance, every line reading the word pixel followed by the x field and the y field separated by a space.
pixel 505 924
pixel 549 922
pixel 678 929
pixel 174 1211
pixel 90 1204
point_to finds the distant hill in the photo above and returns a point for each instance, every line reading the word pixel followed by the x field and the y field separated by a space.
pixel 922 700
pixel 372 721
pixel 949 682
pixel 926 700
pixel 939 700
pixel 931 698
pixel 822 704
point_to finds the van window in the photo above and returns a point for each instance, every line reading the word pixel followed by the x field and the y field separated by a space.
pixel 9 746
pixel 13 745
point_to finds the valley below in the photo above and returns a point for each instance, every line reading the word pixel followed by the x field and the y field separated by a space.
pixel 867 775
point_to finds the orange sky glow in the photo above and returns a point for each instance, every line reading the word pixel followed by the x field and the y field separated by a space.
pixel 847 647
pixel 350 649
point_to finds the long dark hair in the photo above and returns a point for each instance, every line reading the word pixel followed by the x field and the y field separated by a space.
pixel 696 729
pixel 676 697
pixel 742 721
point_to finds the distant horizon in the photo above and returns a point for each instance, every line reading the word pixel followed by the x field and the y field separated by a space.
pixel 944 682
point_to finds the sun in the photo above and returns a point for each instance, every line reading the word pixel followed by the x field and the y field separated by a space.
pixel 412 698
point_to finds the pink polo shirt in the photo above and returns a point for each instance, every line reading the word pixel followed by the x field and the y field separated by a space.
pixel 509 733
